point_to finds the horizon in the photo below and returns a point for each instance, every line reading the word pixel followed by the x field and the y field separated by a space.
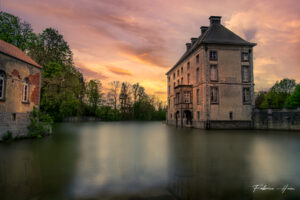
pixel 121 40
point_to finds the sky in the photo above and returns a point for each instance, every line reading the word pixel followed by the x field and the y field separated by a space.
pixel 139 40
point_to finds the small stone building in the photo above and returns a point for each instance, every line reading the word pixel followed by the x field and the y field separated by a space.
pixel 211 86
pixel 20 83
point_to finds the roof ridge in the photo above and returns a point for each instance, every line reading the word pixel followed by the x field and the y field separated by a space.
pixel 17 53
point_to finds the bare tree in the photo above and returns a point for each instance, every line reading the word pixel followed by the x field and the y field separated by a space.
pixel 114 93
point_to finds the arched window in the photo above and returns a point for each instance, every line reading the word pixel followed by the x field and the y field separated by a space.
pixel 2 85
pixel 25 98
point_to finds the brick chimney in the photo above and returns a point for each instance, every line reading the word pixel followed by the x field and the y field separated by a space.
pixel 203 29
pixel 188 46
pixel 193 40
pixel 215 20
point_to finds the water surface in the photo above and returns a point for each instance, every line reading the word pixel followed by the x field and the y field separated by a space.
pixel 134 160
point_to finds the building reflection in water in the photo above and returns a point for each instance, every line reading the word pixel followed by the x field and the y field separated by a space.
pixel 214 165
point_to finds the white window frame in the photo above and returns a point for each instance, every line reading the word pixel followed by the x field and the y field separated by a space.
pixel 247 78
pixel 214 95
pixel 246 93
pixel 243 56
pixel 25 97
pixel 213 55
pixel 215 68
pixel 198 96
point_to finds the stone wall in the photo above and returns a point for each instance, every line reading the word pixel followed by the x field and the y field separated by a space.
pixel 16 123
pixel 277 119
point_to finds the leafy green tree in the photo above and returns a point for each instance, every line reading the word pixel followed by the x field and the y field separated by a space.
pixel 279 93
pixel 15 31
pixel 260 97
pixel 50 46
pixel 294 100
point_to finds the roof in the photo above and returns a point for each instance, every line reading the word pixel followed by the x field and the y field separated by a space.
pixel 17 53
pixel 215 34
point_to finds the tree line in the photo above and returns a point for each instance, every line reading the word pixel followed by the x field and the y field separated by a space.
pixel 64 91
pixel 283 94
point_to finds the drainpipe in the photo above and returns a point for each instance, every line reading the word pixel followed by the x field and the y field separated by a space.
pixel 207 125
pixel 252 87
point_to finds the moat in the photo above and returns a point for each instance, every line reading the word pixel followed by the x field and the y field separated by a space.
pixel 150 160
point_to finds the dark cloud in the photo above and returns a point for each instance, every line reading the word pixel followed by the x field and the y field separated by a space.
pixel 119 71
pixel 250 34
pixel 90 73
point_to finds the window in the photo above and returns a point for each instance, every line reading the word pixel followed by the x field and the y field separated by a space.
pixel 181 70
pixel 177 82
pixel 177 72
pixel 174 85
pixel 245 74
pixel 2 85
pixel 187 97
pixel 171 115
pixel 245 57
pixel 198 96
pixel 230 115
pixel 25 91
pixel 181 80
pixel 174 75
pixel 213 73
pixel 169 79
pixel 198 115
pixel 214 95
pixel 188 78
pixel 188 65
pixel 197 75
pixel 169 89
pixel 213 55
pixel 197 59
pixel 169 103
pixel 177 98
pixel 246 96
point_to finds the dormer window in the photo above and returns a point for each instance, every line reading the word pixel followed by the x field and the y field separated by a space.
pixel 197 59
pixel 2 85
pixel 188 65
pixel 25 98
pixel 245 57
pixel 174 75
pixel 213 55
pixel 177 72
pixel 181 70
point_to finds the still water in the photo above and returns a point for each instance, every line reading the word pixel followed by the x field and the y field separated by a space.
pixel 134 160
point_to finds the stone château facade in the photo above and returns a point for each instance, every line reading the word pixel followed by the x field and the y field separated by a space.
pixel 211 86
pixel 20 79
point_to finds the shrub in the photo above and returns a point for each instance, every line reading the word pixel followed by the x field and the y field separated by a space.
pixel 41 124
pixel 7 136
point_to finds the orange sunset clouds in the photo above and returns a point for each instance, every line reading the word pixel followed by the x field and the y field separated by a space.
pixel 139 40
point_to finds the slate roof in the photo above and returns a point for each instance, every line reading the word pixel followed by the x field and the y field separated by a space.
pixel 17 53
pixel 215 34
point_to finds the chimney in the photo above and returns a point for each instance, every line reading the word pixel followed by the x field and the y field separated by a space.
pixel 215 20
pixel 193 40
pixel 203 29
pixel 188 46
